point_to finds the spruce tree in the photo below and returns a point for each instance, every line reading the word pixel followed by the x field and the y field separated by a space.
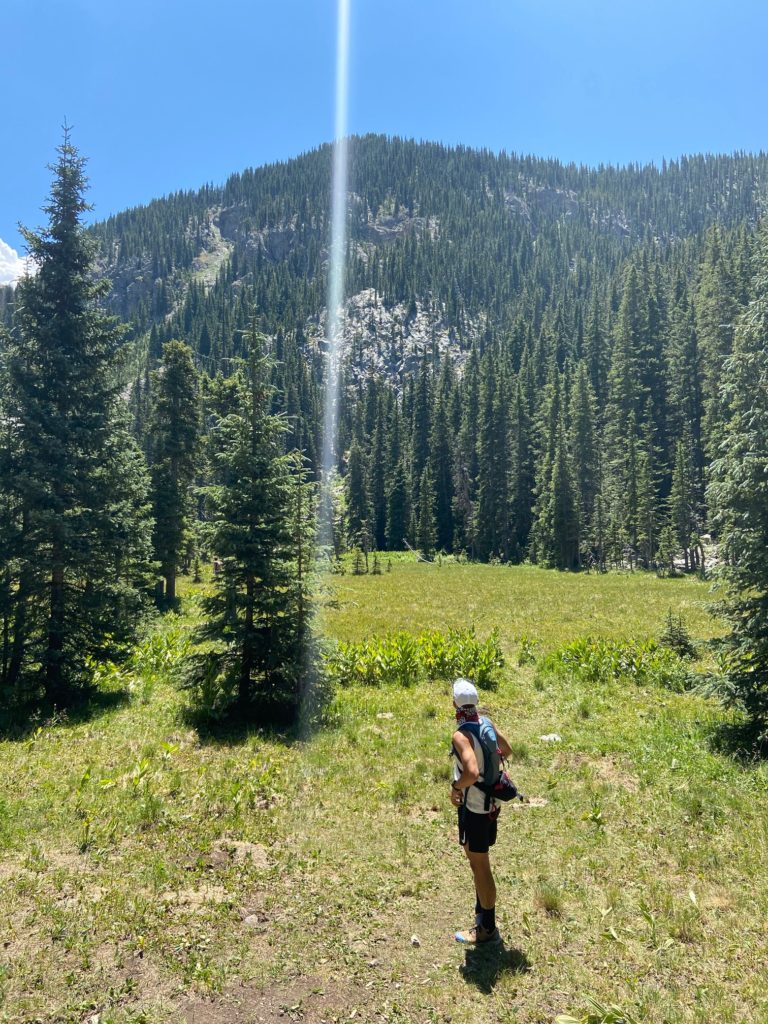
pixel 359 513
pixel 596 353
pixel 683 506
pixel 426 530
pixel 492 522
pixel 11 609
pixel 564 509
pixel 420 427
pixel 583 444
pixel 739 492
pixel 255 638
pixel 521 475
pixel 441 471
pixel 716 312
pixel 647 499
pixel 685 407
pixel 80 485
pixel 625 393
pixel 174 431
pixel 467 402
pixel 377 480
pixel 398 508
pixel 552 496
pixel 556 531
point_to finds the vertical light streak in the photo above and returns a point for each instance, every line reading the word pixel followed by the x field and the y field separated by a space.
pixel 337 261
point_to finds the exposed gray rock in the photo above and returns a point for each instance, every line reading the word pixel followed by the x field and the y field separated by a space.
pixel 392 340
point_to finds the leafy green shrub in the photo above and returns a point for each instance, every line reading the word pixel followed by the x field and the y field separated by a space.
pixel 403 659
pixel 378 662
pixel 526 651
pixel 598 660
pixel 159 658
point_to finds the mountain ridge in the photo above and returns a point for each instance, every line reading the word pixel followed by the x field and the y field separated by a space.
pixel 273 222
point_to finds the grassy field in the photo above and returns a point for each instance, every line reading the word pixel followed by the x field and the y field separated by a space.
pixel 547 607
pixel 150 874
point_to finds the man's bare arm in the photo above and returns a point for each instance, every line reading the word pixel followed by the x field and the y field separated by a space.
pixel 503 743
pixel 470 773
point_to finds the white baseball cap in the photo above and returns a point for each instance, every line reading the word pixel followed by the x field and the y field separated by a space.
pixel 464 693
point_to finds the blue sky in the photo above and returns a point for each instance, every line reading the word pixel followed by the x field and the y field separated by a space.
pixel 165 94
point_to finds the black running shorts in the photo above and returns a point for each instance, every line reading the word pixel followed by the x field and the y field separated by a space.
pixel 477 831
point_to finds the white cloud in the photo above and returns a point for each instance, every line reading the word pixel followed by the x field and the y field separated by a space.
pixel 12 266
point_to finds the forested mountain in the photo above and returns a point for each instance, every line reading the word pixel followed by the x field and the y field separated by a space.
pixel 533 350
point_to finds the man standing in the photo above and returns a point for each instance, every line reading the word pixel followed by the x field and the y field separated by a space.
pixel 478 812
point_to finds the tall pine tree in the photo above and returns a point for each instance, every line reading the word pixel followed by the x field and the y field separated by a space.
pixel 739 491
pixel 174 431
pixel 79 487
pixel 255 639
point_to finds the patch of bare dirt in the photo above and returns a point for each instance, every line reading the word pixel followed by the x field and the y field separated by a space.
pixel 718 901
pixel 608 769
pixel 244 853
pixel 44 864
pixel 305 1000
pixel 530 801
pixel 143 984
pixel 195 900
pixel 10 868
pixel 426 813
pixel 227 852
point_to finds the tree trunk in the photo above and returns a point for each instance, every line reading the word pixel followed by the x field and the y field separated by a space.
pixel 19 616
pixel 170 583
pixel 246 661
pixel 700 550
pixel 54 677
pixel 6 629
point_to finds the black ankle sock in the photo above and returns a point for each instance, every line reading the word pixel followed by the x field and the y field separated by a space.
pixel 478 905
pixel 489 919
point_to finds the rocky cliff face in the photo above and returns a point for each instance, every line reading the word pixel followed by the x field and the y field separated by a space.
pixel 379 336
pixel 553 201
pixel 390 339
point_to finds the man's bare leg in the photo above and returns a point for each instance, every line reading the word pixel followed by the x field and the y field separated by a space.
pixel 485 887
pixel 485 929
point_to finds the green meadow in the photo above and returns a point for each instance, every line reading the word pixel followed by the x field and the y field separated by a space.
pixel 155 873
pixel 548 607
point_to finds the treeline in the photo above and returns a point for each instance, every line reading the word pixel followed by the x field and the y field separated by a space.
pixel 583 443
pixel 580 439
pixel 574 413
pixel 471 234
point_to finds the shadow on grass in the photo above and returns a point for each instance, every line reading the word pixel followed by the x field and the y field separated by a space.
pixel 19 723
pixel 285 719
pixel 233 731
pixel 744 741
pixel 484 965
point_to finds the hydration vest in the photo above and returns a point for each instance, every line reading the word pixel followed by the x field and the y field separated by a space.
pixel 489 764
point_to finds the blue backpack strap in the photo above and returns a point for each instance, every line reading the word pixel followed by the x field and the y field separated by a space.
pixel 488 732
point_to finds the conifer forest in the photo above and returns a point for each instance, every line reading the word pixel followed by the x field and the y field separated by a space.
pixel 542 363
